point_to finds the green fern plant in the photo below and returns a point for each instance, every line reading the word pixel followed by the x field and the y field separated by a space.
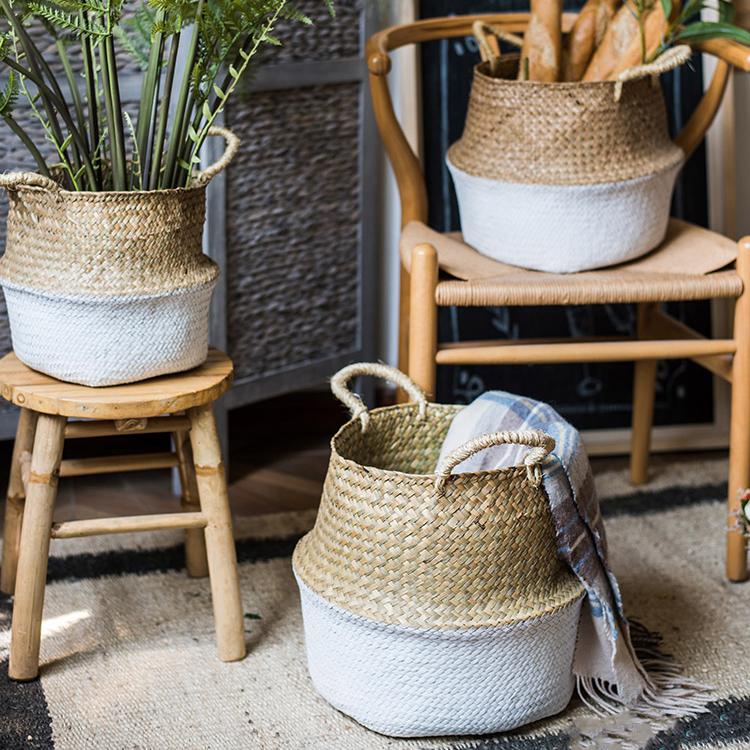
pixel 193 54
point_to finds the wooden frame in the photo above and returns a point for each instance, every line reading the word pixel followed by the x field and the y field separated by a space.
pixel 659 335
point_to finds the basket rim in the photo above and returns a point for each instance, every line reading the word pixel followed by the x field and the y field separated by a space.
pixel 497 80
pixel 105 195
pixel 486 473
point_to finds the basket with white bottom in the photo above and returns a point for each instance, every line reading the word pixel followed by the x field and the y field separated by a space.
pixel 434 603
pixel 564 177
pixel 108 287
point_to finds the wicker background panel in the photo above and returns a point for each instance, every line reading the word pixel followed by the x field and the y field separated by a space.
pixel 293 213
pixel 326 39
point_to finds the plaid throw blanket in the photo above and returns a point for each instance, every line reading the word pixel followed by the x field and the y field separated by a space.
pixel 611 673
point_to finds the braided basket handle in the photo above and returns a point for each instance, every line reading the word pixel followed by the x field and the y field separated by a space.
pixel 486 35
pixel 233 145
pixel 15 180
pixel 540 443
pixel 350 399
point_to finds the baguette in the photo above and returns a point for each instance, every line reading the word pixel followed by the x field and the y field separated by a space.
pixel 654 27
pixel 618 37
pixel 541 54
pixel 585 36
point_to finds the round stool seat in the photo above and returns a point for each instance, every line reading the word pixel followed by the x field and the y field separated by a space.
pixel 149 398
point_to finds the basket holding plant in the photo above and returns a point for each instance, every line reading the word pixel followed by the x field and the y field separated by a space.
pixel 104 274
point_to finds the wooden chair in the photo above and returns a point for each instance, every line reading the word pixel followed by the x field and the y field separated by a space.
pixel 424 287
pixel 178 404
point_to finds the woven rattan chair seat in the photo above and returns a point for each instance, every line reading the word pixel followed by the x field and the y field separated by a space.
pixel 687 266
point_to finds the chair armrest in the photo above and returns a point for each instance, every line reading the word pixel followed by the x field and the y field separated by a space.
pixel 734 53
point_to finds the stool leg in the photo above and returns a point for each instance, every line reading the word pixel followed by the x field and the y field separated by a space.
pixel 195 541
pixel 34 551
pixel 15 499
pixel 222 556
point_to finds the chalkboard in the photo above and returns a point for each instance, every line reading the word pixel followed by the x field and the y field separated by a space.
pixel 592 396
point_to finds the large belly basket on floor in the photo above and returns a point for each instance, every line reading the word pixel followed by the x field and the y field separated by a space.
pixel 434 603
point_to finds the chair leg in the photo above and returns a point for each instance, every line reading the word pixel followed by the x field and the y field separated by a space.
pixel 739 435
pixel 403 328
pixel 644 391
pixel 423 318
pixel 34 551
pixel 196 561
pixel 15 500
pixel 222 556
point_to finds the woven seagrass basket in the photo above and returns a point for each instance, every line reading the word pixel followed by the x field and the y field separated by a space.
pixel 565 177
pixel 434 603
pixel 109 287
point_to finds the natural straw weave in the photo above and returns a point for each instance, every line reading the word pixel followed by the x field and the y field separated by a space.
pixel 562 133
pixel 109 243
pixel 396 543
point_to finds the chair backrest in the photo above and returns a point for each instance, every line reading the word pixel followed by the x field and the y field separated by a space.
pixel 406 166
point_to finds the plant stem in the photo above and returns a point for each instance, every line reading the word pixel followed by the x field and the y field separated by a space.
pixel 109 113
pixel 73 85
pixel 245 57
pixel 52 98
pixel 34 58
pixel 179 115
pixel 92 95
pixel 158 143
pixel 149 93
pixel 118 130
pixel 30 145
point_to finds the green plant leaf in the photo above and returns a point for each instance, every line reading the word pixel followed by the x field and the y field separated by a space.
pixel 667 7
pixel 703 30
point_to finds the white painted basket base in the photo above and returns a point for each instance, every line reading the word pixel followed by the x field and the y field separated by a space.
pixel 564 228
pixel 100 341
pixel 408 682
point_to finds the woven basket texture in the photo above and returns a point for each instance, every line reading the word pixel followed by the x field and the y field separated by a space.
pixel 387 545
pixel 563 133
pixel 112 244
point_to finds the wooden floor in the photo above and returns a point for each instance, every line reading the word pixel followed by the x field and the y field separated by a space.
pixel 277 462
pixel 278 459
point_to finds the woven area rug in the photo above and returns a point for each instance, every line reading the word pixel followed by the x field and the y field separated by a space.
pixel 129 662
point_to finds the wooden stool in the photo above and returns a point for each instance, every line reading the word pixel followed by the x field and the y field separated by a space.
pixel 148 406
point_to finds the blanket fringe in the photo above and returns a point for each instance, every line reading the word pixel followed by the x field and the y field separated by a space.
pixel 669 694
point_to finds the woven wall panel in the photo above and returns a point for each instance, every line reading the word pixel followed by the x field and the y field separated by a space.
pixel 326 39
pixel 293 213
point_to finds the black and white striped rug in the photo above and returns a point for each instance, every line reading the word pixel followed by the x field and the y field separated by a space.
pixel 128 651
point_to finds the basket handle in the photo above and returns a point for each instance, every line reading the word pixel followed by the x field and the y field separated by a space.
pixel 668 60
pixel 233 145
pixel 489 51
pixel 350 399
pixel 540 443
pixel 15 180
